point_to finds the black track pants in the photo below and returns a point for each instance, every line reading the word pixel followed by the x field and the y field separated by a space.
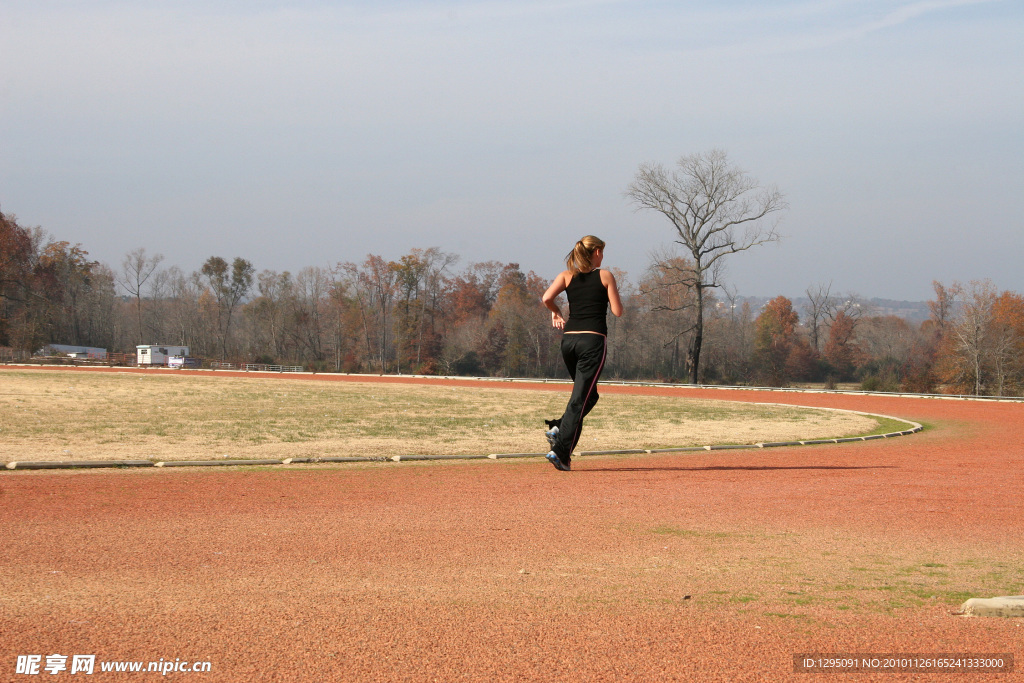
pixel 584 356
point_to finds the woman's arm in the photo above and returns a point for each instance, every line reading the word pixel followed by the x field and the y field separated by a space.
pixel 614 302
pixel 558 286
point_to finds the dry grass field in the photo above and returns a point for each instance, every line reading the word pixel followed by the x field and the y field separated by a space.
pixel 61 415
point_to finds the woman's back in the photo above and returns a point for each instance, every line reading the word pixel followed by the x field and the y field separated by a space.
pixel 588 303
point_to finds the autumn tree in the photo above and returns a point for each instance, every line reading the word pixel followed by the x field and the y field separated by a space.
pixel 716 210
pixel 1007 336
pixel 966 346
pixel 421 275
pixel 17 261
pixel 841 351
pixel 472 293
pixel 373 286
pixel 473 341
pixel 925 368
pixel 520 336
pixel 51 292
pixel 983 346
pixel 344 323
pixel 16 258
pixel 469 297
pixel 778 351
pixel 67 279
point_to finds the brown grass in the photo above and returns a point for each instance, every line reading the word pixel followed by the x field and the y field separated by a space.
pixel 86 416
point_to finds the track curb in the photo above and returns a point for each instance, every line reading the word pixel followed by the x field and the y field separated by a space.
pixel 242 462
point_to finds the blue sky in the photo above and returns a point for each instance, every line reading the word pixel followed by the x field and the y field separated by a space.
pixel 308 133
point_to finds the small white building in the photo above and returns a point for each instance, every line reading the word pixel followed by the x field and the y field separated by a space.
pixel 158 354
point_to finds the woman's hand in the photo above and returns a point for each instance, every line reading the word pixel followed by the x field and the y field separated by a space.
pixel 557 287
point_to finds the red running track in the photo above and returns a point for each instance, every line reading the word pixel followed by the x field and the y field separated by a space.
pixel 707 566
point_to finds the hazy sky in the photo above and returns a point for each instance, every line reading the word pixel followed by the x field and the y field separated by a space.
pixel 307 133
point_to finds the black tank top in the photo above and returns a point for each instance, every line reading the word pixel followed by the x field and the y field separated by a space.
pixel 588 303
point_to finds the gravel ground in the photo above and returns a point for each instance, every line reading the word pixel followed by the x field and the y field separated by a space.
pixel 709 566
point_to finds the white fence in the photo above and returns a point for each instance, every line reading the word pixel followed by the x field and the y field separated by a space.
pixel 255 367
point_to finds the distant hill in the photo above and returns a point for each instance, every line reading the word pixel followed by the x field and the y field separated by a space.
pixel 915 312
pixel 912 311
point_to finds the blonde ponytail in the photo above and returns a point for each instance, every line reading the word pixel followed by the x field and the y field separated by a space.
pixel 580 258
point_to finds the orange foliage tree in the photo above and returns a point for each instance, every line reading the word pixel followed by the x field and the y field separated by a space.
pixel 1008 344
pixel 981 350
pixel 841 351
pixel 780 354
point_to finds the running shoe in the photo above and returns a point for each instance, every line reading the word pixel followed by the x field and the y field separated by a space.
pixel 557 462
pixel 552 435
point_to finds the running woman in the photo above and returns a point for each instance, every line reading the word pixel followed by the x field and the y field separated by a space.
pixel 591 291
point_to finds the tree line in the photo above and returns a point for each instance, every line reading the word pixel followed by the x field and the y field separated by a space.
pixel 424 313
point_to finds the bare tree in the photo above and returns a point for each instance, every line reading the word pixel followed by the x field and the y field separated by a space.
pixel 181 312
pixel 136 269
pixel 716 210
pixel 229 285
pixel 434 286
pixel 942 309
pixel 342 322
pixel 729 349
pixel 823 307
pixel 373 287
pixel 852 304
pixel 972 333
pixel 818 309
pixel 669 298
pixel 270 308
pixel 312 288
